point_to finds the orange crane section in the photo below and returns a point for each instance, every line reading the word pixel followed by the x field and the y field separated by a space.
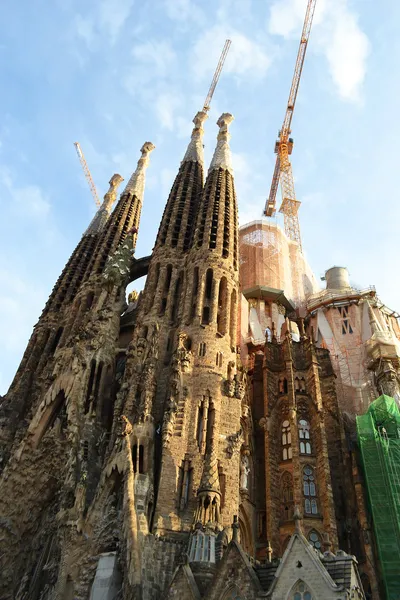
pixel 217 73
pixel 284 146
pixel 87 173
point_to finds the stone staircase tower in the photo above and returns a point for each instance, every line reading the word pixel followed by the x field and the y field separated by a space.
pixel 203 402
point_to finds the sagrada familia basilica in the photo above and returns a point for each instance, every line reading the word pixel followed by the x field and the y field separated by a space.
pixel 230 433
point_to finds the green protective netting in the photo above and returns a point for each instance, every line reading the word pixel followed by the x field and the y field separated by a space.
pixel 379 439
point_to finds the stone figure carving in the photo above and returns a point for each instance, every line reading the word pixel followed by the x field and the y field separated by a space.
pixel 244 472
pixel 184 355
pixel 230 383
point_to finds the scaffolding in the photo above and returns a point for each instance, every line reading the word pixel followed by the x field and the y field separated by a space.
pixel 379 439
pixel 269 258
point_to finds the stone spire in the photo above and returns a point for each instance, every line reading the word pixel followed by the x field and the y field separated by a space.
pixel 100 218
pixel 216 220
pixel 125 216
pixel 135 185
pixel 176 227
pixel 222 158
pixel 194 150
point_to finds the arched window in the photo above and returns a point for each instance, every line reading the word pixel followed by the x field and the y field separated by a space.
pixel 286 441
pixel 315 540
pixel 301 592
pixel 218 360
pixel 309 491
pixel 286 496
pixel 304 437
pixel 282 385
pixel 232 594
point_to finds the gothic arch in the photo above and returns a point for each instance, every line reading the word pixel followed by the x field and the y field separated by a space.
pixel 301 591
pixel 38 425
pixel 246 536
pixel 232 593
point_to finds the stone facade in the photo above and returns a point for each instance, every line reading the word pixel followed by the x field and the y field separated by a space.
pixel 149 453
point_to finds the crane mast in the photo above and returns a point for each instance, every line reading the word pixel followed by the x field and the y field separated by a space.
pixel 86 171
pixel 284 145
pixel 217 73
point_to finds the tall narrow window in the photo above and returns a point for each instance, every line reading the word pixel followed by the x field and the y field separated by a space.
pixel 90 385
pixel 222 483
pixel 167 283
pixel 185 482
pixel 134 457
pixel 195 290
pixel 89 300
pixel 141 459
pixel 286 441
pixel 287 504
pixel 56 340
pixel 232 324
pixel 202 349
pixel 177 296
pixel 309 491
pixel 97 385
pixel 304 437
pixel 210 424
pixel 282 385
pixel 206 315
pixel 344 313
pixel 153 285
pixel 218 360
pixel 222 305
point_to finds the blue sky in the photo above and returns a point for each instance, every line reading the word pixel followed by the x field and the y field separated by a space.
pixel 113 74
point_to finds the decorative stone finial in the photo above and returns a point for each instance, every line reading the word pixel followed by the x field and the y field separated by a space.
pixel 100 218
pixel 222 155
pixel 135 185
pixel 194 152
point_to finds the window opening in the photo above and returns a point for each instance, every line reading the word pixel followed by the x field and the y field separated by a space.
pixel 56 340
pixel 222 306
pixel 141 459
pixel 315 540
pixel 202 349
pixel 232 325
pixel 309 491
pixel 286 441
pixel 134 457
pixel 90 385
pixel 287 505
pixel 218 360
pixel 304 437
pixel 195 289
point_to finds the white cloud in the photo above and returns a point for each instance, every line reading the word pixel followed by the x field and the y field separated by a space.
pixel 166 105
pixel 183 11
pixel 112 16
pixel 159 54
pixel 104 24
pixel 336 34
pixel 246 58
pixel 28 200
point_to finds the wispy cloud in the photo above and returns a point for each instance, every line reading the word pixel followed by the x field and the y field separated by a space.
pixel 246 59
pixel 184 11
pixel 28 201
pixel 336 34
pixel 105 23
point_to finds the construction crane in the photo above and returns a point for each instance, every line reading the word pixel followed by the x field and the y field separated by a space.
pixel 284 146
pixel 87 173
pixel 217 73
